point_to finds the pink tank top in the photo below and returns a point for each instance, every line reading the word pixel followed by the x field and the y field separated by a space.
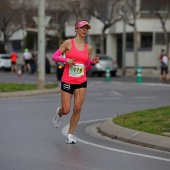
pixel 77 73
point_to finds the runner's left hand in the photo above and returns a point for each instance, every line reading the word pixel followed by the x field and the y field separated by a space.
pixel 95 59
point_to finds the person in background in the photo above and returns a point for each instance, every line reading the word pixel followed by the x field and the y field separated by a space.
pixel 27 57
pixel 74 80
pixel 164 60
pixel 14 57
pixel 33 61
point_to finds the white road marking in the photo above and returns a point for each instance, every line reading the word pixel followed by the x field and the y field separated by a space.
pixel 65 130
pixel 108 98
pixel 145 97
pixel 156 84
pixel 116 93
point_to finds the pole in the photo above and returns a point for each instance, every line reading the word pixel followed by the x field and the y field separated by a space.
pixel 41 44
pixel 124 44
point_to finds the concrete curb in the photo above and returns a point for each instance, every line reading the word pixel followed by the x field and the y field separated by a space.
pixel 108 128
pixel 29 93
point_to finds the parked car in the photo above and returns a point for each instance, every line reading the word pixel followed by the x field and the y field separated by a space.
pixel 100 68
pixel 5 61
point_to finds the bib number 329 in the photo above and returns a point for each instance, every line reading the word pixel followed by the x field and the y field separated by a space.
pixel 77 70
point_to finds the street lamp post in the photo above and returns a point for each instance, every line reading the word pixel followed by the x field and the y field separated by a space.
pixel 124 47
pixel 122 12
pixel 41 44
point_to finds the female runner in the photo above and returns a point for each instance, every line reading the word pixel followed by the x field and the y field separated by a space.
pixel 74 80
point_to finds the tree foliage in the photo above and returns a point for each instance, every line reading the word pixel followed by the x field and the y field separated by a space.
pixel 131 14
pixel 10 20
pixel 162 10
pixel 107 12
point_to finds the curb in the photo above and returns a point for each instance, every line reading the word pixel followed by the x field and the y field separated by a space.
pixel 108 128
pixel 29 93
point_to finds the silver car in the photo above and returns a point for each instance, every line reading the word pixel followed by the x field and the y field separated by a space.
pixel 100 68
pixel 5 61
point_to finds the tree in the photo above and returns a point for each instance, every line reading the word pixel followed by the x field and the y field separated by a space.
pixel 57 22
pixel 107 12
pixel 18 14
pixel 10 21
pixel 59 12
pixel 162 10
pixel 132 13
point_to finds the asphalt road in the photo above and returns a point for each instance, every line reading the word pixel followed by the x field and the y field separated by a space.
pixel 28 139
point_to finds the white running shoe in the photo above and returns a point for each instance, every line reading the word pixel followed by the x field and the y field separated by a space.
pixel 70 139
pixel 57 119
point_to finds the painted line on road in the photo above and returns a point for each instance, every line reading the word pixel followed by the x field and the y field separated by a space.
pixel 108 98
pixel 156 84
pixel 65 130
pixel 145 97
pixel 116 93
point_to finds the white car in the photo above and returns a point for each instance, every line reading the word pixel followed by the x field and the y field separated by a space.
pixel 5 61
pixel 100 68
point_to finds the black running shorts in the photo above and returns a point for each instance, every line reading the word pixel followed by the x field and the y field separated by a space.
pixel 69 88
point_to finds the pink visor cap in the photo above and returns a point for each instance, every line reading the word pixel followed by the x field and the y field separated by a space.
pixel 82 23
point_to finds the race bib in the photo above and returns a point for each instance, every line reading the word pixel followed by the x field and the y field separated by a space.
pixel 77 70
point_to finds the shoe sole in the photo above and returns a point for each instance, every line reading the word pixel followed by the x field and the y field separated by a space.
pixel 54 120
pixel 70 142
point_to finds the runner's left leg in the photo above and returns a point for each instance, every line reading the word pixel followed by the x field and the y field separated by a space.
pixel 79 96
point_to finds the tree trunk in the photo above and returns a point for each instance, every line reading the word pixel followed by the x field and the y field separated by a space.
pixel 6 44
pixel 166 40
pixel 135 49
pixel 102 41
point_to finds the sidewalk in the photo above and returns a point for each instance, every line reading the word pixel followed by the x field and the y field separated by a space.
pixel 29 93
pixel 108 128
pixel 144 72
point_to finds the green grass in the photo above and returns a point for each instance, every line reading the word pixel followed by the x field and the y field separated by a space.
pixel 11 87
pixel 155 121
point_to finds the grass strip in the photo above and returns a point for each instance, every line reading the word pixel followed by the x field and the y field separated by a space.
pixel 155 121
pixel 11 87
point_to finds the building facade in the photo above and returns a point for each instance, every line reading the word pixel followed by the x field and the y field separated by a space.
pixel 150 35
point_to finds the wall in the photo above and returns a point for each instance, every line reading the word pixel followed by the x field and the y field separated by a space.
pixel 146 58
pixel 111 46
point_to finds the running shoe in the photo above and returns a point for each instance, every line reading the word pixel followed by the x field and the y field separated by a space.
pixel 57 119
pixel 70 139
